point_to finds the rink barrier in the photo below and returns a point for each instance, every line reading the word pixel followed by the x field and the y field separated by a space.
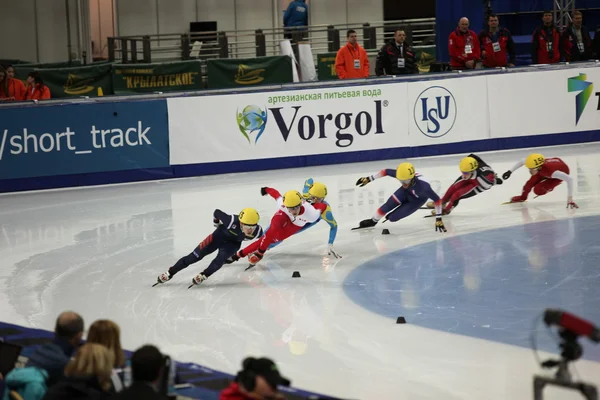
pixel 128 139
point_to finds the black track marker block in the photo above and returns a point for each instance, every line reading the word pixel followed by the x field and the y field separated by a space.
pixel 296 274
pixel 401 320
pixel 385 232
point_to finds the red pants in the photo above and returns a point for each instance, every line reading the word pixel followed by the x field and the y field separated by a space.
pixel 281 228
pixel 458 190
pixel 545 186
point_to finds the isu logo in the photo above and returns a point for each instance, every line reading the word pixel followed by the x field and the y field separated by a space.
pixel 435 111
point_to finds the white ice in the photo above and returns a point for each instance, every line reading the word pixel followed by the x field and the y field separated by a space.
pixel 98 251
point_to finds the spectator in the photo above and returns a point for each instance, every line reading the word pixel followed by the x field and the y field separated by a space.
pixel 463 46
pixel 146 369
pixel 53 357
pixel 545 43
pixel 396 57
pixel 29 383
pixel 258 379
pixel 496 44
pixel 351 60
pixel 576 40
pixel 11 89
pixel 36 90
pixel 296 15
pixel 596 45
pixel 10 69
pixel 108 334
pixel 87 375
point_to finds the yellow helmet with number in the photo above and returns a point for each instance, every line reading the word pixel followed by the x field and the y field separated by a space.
pixel 405 172
pixel 292 198
pixel 318 190
pixel 249 216
pixel 534 160
pixel 468 164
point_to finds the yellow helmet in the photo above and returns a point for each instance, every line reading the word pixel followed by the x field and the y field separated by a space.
pixel 318 189
pixel 534 160
pixel 249 216
pixel 405 172
pixel 292 198
pixel 468 164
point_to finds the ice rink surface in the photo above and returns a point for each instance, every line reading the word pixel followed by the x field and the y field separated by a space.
pixel 470 296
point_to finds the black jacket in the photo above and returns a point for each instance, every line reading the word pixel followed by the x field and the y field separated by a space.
pixel 52 357
pixel 76 389
pixel 570 48
pixel 140 391
pixel 387 60
pixel 596 45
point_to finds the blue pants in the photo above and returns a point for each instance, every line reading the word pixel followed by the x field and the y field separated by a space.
pixel 409 205
pixel 305 227
pixel 213 242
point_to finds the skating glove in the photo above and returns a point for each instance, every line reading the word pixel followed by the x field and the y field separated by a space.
pixel 363 181
pixel 233 258
pixel 255 257
pixel 332 252
pixel 439 225
pixel 216 222
pixel 518 199
pixel 506 175
pixel 571 203
pixel 263 191
pixel 498 180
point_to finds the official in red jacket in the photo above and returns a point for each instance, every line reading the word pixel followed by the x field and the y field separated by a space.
pixel 576 40
pixel 464 47
pixel 545 42
pixel 258 379
pixel 497 45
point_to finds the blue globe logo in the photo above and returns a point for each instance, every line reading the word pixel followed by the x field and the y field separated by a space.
pixel 252 120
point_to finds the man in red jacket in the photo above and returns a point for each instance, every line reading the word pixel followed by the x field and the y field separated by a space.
pixel 496 44
pixel 463 46
pixel 545 43
pixel 258 379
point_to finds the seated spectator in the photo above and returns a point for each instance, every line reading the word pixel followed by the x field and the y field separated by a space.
pixel 258 379
pixel 351 60
pixel 11 89
pixel 545 42
pixel 576 40
pixel 28 382
pixel 53 357
pixel 295 17
pixel 496 44
pixel 87 375
pixel 463 46
pixel 146 370
pixel 36 90
pixel 108 334
pixel 396 57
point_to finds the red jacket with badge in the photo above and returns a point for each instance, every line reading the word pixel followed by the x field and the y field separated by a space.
pixel 457 47
pixel 497 48
pixel 545 45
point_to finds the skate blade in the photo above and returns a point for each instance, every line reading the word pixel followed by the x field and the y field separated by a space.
pixel 157 283
pixel 191 286
pixel 250 267
pixel 366 227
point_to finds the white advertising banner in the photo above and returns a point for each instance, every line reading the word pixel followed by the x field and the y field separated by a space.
pixel 544 102
pixel 448 111
pixel 287 123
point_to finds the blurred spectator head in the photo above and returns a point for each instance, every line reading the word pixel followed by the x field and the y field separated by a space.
pixel 463 24
pixel 69 326
pixel 91 360
pixel 147 364
pixel 34 77
pixel 547 17
pixel 3 73
pixel 400 36
pixel 351 36
pixel 577 18
pixel 493 21
pixel 108 334
pixel 260 377
pixel 10 70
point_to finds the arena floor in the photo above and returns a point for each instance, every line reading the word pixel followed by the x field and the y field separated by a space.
pixel 470 297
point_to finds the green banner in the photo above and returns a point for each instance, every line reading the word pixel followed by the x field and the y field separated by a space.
pixel 425 56
pixel 92 81
pixel 232 73
pixel 326 66
pixel 165 77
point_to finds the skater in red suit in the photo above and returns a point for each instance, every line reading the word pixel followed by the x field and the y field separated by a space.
pixel 476 177
pixel 546 174
pixel 294 212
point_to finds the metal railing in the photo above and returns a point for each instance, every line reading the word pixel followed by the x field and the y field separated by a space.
pixel 261 42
